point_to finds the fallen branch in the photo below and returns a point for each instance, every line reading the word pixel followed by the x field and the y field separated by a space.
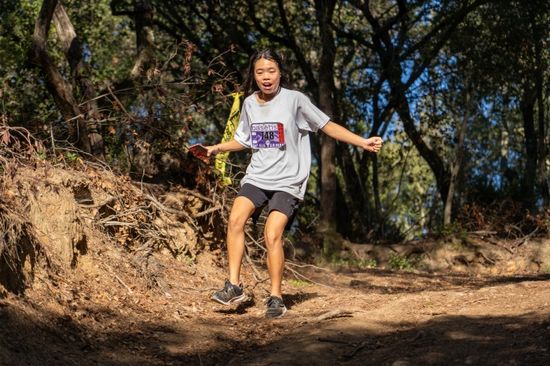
pixel 161 207
pixel 497 243
pixel 198 195
pixel 208 211
pixel 482 232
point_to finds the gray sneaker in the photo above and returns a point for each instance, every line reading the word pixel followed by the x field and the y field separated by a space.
pixel 229 294
pixel 275 307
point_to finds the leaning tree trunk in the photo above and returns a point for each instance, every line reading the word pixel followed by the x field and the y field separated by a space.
pixel 459 157
pixel 61 90
pixel 435 161
pixel 73 51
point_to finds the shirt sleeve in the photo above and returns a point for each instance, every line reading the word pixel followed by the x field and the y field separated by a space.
pixel 309 117
pixel 242 133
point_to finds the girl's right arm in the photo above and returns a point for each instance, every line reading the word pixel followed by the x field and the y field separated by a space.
pixel 232 145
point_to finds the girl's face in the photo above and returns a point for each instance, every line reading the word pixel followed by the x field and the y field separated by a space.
pixel 267 76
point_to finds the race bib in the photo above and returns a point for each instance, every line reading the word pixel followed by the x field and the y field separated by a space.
pixel 267 135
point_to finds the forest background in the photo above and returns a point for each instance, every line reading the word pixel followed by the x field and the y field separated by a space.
pixel 458 90
pixel 435 251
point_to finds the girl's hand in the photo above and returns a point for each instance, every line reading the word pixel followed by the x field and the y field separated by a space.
pixel 373 144
pixel 212 150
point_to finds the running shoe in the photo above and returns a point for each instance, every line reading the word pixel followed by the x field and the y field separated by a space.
pixel 229 294
pixel 275 307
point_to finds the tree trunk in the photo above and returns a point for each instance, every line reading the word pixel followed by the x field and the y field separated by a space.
pixel 430 156
pixel 527 106
pixel 73 51
pixel 542 151
pixel 324 11
pixel 357 200
pixel 145 39
pixel 61 91
pixel 457 164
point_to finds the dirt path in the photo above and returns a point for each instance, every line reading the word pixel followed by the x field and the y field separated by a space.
pixel 470 323
pixel 371 317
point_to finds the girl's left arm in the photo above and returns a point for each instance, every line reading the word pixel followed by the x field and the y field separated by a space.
pixel 341 133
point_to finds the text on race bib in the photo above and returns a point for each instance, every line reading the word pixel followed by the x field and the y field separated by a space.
pixel 267 135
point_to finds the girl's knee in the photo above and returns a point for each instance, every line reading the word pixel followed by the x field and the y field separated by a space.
pixel 273 239
pixel 236 222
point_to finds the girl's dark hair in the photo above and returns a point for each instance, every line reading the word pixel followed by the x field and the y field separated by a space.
pixel 249 85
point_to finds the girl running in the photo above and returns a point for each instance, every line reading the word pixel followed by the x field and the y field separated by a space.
pixel 275 123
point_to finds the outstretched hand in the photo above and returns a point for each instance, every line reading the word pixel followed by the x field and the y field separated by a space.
pixel 212 150
pixel 373 144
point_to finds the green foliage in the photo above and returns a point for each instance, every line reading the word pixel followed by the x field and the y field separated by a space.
pixel 454 230
pixel 407 203
pixel 353 262
pixel 348 259
pixel 24 102
pixel 399 262
pixel 183 97
pixel 109 41
pixel 71 157
pixel 297 283
pixel 363 263
pixel 41 154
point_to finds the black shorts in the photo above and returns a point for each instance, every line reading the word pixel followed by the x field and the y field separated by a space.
pixel 274 200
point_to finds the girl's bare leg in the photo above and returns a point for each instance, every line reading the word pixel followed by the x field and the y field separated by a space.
pixel 274 228
pixel 241 211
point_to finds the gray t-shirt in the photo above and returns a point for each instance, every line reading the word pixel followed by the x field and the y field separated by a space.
pixel 278 134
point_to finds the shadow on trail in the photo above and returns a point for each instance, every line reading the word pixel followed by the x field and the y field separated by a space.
pixel 240 309
pixel 290 301
pixel 446 340
pixel 124 341
pixel 295 299
pixel 395 282
pixel 59 340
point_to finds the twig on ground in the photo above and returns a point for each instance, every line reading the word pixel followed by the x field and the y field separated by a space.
pixel 347 356
pixel 110 270
pixel 359 347
pixel 498 244
pixel 525 239
pixel 306 265
pixel 334 314
pixel 196 194
pixel 257 274
pixel 330 340
pixel 490 260
pixel 298 274
pixel 208 211
pixel 161 207
pixel 482 232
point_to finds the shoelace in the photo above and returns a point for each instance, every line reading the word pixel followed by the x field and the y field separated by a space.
pixel 228 287
pixel 272 300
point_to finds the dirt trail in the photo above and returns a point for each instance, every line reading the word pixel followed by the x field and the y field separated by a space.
pixel 372 317
pixel 505 321
pixel 105 274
